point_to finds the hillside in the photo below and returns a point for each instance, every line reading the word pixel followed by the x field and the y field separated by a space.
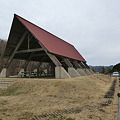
pixel 102 69
pixel 79 98
pixel 116 68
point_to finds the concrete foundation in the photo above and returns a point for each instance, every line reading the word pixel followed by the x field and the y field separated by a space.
pixel 61 73
pixel 35 70
pixel 92 71
pixel 20 73
pixel 4 73
pixel 81 72
pixel 87 71
pixel 72 72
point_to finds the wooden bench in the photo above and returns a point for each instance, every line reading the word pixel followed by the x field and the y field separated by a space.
pixel 28 74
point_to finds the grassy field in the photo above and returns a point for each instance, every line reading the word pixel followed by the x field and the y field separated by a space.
pixel 27 98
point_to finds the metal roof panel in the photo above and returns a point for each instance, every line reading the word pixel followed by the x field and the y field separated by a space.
pixel 52 43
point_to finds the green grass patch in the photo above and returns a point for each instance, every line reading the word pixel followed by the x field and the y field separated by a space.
pixel 10 92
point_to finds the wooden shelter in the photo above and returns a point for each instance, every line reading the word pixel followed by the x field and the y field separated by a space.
pixel 31 43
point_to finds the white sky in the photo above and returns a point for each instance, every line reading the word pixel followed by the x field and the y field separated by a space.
pixel 92 26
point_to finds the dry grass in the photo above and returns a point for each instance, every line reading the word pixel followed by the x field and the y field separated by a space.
pixel 31 97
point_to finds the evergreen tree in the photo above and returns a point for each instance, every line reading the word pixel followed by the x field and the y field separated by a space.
pixel 116 68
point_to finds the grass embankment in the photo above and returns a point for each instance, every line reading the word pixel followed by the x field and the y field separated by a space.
pixel 32 97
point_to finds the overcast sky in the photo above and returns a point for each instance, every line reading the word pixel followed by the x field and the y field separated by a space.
pixel 92 26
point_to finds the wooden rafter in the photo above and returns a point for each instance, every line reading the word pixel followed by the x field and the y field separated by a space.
pixel 29 50
pixel 16 48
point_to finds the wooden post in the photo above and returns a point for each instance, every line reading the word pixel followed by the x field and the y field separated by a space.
pixel 68 63
pixel 76 64
pixel 18 45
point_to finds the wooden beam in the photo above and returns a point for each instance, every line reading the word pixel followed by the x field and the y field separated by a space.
pixel 27 61
pixel 29 58
pixel 29 50
pixel 86 65
pixel 12 46
pixel 77 65
pixel 29 39
pixel 54 59
pixel 51 56
pixel 40 54
pixel 16 48
pixel 83 65
pixel 40 63
pixel 68 63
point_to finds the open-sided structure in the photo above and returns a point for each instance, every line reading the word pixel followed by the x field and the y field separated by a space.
pixel 31 43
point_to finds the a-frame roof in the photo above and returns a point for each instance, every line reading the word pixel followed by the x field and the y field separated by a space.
pixel 52 43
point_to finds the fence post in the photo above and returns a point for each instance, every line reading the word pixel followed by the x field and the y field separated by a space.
pixel 119 101
pixel 118 105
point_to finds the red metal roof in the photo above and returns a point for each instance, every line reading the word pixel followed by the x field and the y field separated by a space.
pixel 52 43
